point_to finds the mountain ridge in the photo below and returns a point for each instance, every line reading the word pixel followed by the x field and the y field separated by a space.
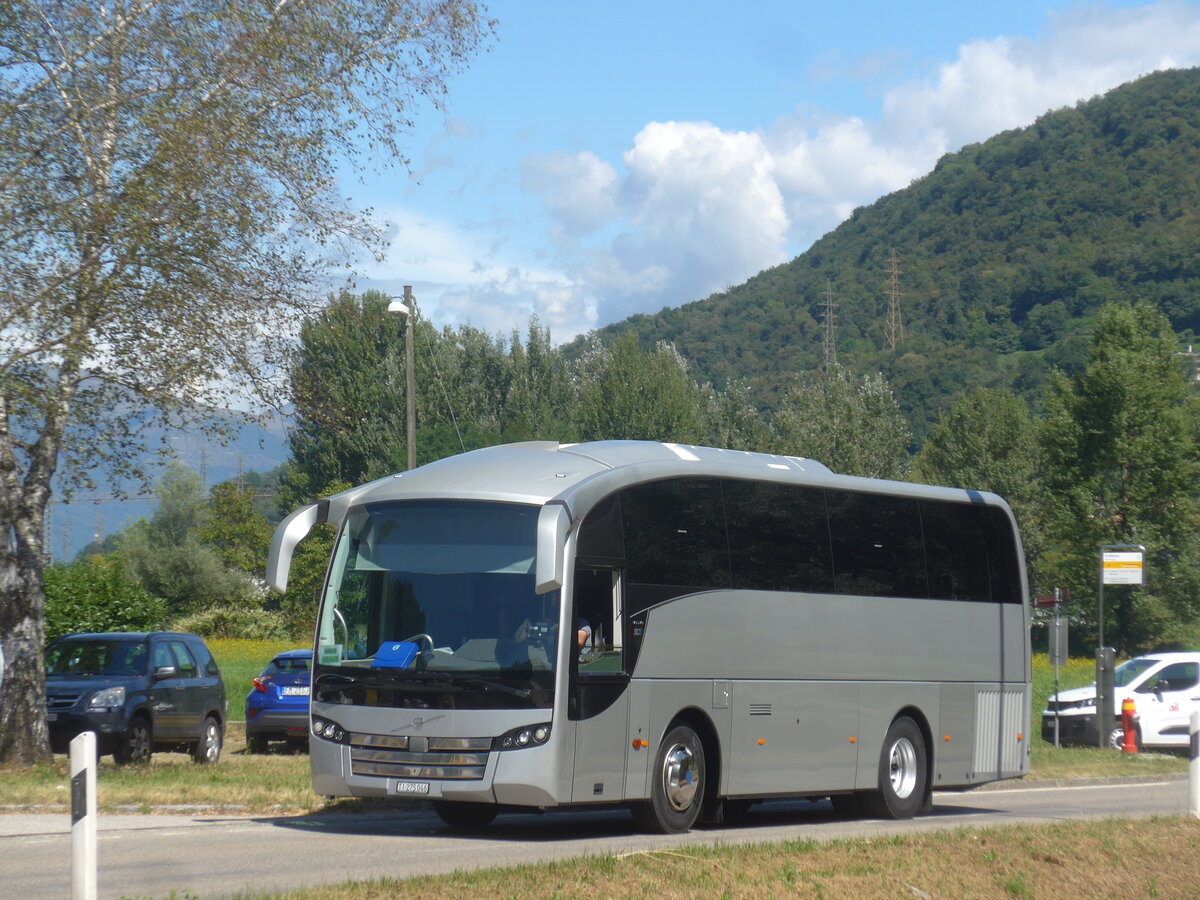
pixel 1006 249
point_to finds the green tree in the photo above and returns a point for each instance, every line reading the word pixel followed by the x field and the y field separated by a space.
pixel 540 399
pixel 347 387
pixel 168 195
pixel 95 594
pixel 1122 466
pixel 853 426
pixel 168 555
pixel 988 441
pixel 236 529
pixel 734 422
pixel 628 394
pixel 472 390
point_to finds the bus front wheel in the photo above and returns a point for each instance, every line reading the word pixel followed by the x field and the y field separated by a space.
pixel 677 788
pixel 903 776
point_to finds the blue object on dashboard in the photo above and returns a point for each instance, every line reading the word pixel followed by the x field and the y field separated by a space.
pixel 396 654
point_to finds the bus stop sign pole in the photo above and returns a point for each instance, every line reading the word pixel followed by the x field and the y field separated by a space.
pixel 1119 564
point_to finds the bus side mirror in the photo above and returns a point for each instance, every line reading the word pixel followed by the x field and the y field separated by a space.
pixel 288 534
pixel 553 522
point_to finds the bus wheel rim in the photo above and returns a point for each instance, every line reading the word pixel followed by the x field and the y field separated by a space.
pixel 902 768
pixel 680 777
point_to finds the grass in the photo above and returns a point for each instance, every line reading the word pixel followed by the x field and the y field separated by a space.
pixel 1103 859
pixel 273 783
pixel 240 661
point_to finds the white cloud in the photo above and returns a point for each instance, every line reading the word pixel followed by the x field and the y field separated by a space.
pixel 461 277
pixel 698 208
pixel 579 189
pixel 1005 83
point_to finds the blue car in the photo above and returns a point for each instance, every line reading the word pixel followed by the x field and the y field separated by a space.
pixel 277 705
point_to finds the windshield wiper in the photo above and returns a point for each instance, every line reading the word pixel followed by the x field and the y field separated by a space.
pixel 488 685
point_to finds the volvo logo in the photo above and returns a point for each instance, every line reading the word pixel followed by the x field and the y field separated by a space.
pixel 420 722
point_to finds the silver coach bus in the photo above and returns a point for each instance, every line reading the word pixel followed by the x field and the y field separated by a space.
pixel 682 630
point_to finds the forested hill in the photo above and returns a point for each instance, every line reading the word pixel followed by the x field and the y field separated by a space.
pixel 1005 251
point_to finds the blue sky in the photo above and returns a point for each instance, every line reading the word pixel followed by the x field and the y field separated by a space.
pixel 604 159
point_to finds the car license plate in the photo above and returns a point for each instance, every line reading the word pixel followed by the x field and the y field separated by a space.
pixel 412 787
pixel 293 690
pixel 51 717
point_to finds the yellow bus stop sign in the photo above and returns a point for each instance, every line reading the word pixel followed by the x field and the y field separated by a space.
pixel 1123 566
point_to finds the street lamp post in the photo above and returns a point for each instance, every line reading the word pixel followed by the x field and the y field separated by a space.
pixel 407 307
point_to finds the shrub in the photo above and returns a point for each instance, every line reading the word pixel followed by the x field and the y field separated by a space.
pixel 93 594
pixel 236 622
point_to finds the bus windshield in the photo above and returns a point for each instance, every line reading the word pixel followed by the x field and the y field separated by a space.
pixel 438 586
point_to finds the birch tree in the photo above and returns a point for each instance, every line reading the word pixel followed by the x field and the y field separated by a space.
pixel 168 201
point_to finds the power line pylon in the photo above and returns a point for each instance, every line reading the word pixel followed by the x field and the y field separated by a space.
pixel 829 341
pixel 895 322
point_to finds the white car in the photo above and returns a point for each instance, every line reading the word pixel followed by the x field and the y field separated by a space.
pixel 1165 688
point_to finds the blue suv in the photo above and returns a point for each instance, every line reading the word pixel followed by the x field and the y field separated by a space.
pixel 277 705
pixel 139 692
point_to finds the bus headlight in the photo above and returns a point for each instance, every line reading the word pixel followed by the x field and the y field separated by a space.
pixel 526 736
pixel 330 731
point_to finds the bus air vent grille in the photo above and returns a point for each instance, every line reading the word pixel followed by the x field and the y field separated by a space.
pixel 761 709
pixel 444 759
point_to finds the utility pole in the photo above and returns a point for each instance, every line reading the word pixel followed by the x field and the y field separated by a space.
pixel 895 323
pixel 407 307
pixel 830 325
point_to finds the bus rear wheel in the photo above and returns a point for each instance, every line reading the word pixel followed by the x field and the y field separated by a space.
pixel 903 776
pixel 678 783
pixel 465 815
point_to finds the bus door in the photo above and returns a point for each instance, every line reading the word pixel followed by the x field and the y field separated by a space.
pixel 599 701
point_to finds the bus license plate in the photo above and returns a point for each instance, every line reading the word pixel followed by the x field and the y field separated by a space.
pixel 412 787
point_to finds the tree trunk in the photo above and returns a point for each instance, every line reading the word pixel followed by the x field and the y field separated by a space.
pixel 23 735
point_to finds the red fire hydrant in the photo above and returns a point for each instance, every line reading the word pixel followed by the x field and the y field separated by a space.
pixel 1127 713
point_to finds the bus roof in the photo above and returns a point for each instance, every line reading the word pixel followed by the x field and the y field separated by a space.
pixel 578 474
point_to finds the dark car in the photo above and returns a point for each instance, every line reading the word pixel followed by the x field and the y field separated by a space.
pixel 139 692
pixel 277 705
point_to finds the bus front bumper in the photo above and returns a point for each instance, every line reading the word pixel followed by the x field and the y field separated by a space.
pixel 524 777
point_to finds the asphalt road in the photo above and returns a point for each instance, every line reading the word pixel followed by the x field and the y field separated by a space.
pixel 215 856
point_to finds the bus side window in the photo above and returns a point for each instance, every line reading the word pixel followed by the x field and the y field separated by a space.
pixel 877 545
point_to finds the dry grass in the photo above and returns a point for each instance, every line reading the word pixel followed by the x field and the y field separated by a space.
pixel 277 782
pixel 1107 859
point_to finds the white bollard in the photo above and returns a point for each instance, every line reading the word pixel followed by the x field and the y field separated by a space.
pixel 1194 766
pixel 83 816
